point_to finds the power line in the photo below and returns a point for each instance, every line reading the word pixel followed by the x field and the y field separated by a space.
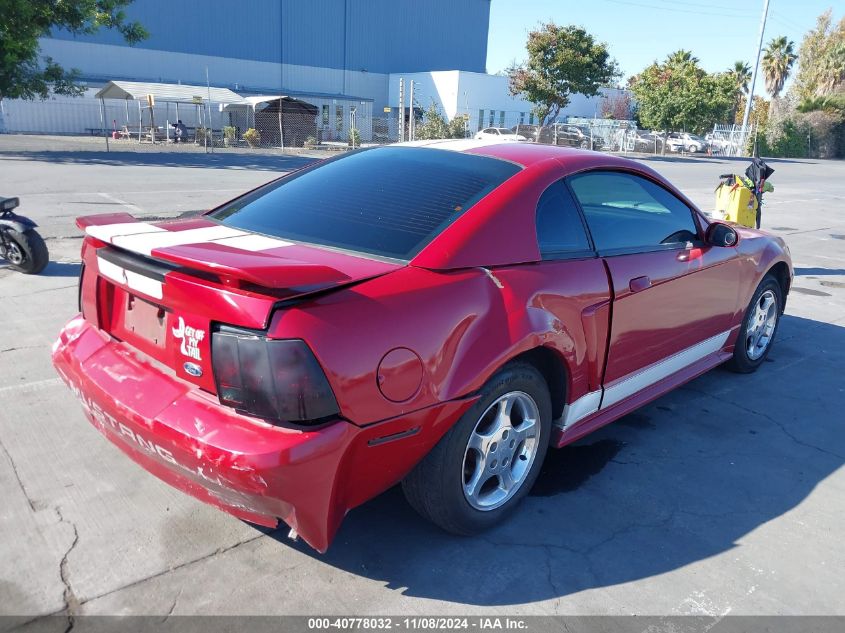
pixel 677 10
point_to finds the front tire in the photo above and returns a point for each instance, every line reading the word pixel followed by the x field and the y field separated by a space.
pixel 27 252
pixel 489 460
pixel 759 327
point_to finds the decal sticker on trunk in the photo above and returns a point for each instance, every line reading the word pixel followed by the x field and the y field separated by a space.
pixel 190 339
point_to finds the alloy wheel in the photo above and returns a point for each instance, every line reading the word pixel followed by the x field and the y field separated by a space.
pixel 761 325
pixel 501 450
pixel 14 254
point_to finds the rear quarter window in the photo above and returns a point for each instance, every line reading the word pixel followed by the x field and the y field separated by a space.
pixel 387 201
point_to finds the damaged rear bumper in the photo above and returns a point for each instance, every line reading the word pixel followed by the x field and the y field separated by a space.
pixel 256 471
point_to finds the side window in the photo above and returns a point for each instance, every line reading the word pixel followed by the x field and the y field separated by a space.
pixel 628 212
pixel 559 227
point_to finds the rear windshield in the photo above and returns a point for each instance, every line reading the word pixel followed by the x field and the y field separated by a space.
pixel 386 201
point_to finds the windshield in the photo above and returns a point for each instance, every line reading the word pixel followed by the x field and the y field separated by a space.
pixel 386 201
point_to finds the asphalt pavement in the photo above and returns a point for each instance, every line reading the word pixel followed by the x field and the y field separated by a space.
pixel 724 497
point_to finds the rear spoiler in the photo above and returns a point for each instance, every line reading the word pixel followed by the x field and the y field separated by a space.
pixel 261 270
pixel 84 221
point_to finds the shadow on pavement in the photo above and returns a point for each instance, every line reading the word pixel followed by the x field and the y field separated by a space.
pixel 680 480
pixel 818 271
pixel 268 162
pixel 703 158
pixel 61 269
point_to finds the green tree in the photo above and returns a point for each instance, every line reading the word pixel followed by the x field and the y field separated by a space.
pixel 24 73
pixel 740 72
pixel 562 60
pixel 778 58
pixel 679 95
pixel 433 125
pixel 759 111
pixel 682 56
pixel 458 126
pixel 821 59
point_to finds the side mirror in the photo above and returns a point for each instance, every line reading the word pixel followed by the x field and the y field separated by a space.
pixel 722 235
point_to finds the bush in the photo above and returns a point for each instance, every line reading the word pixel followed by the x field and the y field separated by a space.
pixel 825 130
pixel 229 133
pixel 202 135
pixel 354 138
pixel 433 125
pixel 785 138
pixel 252 137
pixel 458 126
pixel 310 142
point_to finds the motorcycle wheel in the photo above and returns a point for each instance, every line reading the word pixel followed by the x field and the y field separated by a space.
pixel 27 252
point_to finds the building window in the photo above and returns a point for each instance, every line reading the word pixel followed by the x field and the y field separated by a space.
pixel 492 116
pixel 502 118
pixel 480 120
pixel 531 119
pixel 522 118
pixel 338 118
pixel 325 115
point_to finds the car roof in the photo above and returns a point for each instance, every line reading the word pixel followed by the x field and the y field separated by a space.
pixel 500 228
pixel 529 154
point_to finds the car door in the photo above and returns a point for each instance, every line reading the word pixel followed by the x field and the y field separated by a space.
pixel 674 298
pixel 571 284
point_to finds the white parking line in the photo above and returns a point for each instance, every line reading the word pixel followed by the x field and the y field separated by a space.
pixel 131 207
pixel 35 384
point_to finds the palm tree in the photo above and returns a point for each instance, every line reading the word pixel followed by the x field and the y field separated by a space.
pixel 681 56
pixel 777 62
pixel 741 73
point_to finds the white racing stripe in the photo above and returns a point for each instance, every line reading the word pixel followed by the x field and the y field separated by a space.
pixel 641 379
pixel 112 271
pixel 144 238
pixel 253 242
pixel 652 374
pixel 581 408
pixel 135 281
pixel 146 243
pixel 107 232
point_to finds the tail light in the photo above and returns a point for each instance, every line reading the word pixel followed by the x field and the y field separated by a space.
pixel 275 379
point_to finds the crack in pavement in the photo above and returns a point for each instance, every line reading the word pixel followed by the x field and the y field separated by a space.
pixel 35 292
pixel 766 416
pixel 17 476
pixel 22 347
pixel 164 572
pixel 71 601
pixel 173 606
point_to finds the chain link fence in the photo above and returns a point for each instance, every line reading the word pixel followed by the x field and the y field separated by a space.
pixel 269 123
pixel 317 123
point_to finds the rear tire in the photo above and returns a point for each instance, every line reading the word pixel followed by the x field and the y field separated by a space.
pixel 461 485
pixel 27 253
pixel 759 327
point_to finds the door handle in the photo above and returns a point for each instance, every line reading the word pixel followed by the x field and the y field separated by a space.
pixel 639 283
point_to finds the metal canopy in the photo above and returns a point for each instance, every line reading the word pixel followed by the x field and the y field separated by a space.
pixel 173 93
pixel 261 102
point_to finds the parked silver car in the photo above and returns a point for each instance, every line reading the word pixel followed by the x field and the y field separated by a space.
pixel 686 142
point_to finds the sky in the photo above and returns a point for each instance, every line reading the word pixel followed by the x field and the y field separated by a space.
pixel 639 32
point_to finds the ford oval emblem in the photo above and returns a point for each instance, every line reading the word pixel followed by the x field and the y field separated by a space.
pixel 193 369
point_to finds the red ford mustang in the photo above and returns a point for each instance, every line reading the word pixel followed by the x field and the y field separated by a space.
pixel 435 314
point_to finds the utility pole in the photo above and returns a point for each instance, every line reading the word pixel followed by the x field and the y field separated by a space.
pixel 401 109
pixel 750 98
pixel 411 120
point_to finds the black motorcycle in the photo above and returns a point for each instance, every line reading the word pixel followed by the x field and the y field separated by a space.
pixel 20 244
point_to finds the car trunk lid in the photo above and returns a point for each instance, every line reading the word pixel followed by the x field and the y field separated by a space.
pixel 162 287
